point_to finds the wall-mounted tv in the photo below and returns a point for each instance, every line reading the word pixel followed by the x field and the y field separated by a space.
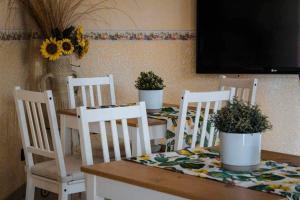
pixel 248 36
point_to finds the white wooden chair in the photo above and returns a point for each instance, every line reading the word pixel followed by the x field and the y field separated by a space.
pixel 245 88
pixel 59 175
pixel 90 93
pixel 210 99
pixel 92 83
pixel 111 115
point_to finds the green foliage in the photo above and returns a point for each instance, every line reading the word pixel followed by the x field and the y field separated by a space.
pixel 239 117
pixel 149 81
pixel 67 33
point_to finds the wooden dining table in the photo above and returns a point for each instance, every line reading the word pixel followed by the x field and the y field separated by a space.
pixel 129 180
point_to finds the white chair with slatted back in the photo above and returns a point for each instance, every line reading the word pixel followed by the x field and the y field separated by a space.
pixel 208 99
pixel 92 83
pixel 110 115
pixel 59 175
pixel 245 88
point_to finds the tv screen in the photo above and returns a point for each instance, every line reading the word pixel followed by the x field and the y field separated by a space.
pixel 248 36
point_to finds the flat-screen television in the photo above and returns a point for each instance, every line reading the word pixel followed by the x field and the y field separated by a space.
pixel 248 36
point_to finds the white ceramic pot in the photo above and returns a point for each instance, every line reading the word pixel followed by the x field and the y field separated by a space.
pixel 152 98
pixel 240 152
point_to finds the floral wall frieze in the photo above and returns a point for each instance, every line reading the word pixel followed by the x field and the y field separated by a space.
pixel 141 35
pixel 108 35
pixel 19 35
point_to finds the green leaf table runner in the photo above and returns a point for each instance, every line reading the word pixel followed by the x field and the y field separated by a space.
pixel 170 114
pixel 271 177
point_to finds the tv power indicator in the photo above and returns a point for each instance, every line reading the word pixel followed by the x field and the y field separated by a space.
pixel 274 70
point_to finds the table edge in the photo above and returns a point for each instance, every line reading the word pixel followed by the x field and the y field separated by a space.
pixel 87 169
pixel 167 190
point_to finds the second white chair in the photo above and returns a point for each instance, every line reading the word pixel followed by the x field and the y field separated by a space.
pixel 214 99
pixel 92 83
pixel 90 92
pixel 245 89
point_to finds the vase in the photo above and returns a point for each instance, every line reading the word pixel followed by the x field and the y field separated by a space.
pixel 56 77
pixel 240 152
pixel 152 98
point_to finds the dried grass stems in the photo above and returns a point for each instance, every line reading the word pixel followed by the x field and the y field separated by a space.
pixel 61 14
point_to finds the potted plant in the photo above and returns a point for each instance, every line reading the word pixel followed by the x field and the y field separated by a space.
pixel 240 127
pixel 150 88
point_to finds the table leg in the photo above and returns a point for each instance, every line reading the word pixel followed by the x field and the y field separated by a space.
pixel 65 136
pixel 91 188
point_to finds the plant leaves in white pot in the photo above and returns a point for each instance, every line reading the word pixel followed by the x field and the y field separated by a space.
pixel 240 152
pixel 152 98
pixel 240 125
pixel 150 88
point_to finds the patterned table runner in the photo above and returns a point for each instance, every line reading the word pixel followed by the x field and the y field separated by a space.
pixel 271 177
pixel 170 114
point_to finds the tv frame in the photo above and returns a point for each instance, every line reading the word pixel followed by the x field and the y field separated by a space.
pixel 265 70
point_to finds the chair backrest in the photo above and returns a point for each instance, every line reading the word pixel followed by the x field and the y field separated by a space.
pixel 92 83
pixel 212 100
pixel 112 115
pixel 245 88
pixel 30 106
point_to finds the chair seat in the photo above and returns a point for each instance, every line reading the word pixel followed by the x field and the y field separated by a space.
pixel 48 169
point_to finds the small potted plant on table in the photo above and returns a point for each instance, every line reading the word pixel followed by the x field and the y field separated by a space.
pixel 240 127
pixel 150 88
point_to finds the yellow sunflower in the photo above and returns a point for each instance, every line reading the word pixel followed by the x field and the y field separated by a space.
pixel 84 49
pixel 82 43
pixel 80 29
pixel 51 49
pixel 79 34
pixel 67 46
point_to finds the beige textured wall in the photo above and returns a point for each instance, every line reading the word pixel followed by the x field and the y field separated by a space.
pixel 279 96
pixel 12 72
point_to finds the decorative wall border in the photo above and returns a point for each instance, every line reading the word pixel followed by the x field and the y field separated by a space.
pixel 108 35
pixel 18 35
pixel 141 35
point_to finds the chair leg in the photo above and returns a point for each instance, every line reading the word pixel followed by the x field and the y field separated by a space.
pixel 63 194
pixel 30 189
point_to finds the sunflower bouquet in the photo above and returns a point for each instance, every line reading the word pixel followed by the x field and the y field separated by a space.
pixel 56 19
pixel 63 43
